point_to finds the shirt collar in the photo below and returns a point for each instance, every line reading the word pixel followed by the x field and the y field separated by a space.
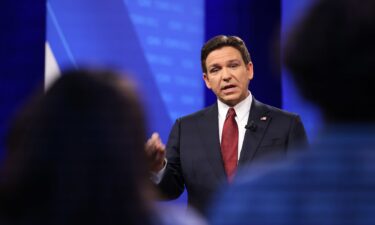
pixel 242 108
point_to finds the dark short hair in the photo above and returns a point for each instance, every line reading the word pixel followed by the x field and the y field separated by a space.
pixel 331 56
pixel 220 41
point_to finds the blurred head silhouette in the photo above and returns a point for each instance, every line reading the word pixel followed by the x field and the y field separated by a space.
pixel 331 55
pixel 75 155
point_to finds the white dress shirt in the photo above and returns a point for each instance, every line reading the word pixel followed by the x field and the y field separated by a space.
pixel 242 114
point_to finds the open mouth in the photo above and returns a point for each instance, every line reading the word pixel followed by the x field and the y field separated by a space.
pixel 228 87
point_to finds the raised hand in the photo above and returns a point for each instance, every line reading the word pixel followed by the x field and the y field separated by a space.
pixel 155 151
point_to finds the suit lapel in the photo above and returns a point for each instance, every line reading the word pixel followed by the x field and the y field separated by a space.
pixel 258 121
pixel 209 132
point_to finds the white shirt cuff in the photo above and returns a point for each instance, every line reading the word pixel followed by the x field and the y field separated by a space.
pixel 156 177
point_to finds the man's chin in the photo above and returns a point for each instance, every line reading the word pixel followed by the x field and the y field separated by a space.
pixel 230 100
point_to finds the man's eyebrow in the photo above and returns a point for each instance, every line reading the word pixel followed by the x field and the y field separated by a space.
pixel 234 60
pixel 213 65
pixel 218 65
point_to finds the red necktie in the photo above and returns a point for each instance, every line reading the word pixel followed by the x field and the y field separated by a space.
pixel 229 144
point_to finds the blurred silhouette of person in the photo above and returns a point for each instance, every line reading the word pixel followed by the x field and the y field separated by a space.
pixel 205 148
pixel 331 56
pixel 76 156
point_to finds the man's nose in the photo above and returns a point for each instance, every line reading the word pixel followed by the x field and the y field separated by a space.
pixel 226 74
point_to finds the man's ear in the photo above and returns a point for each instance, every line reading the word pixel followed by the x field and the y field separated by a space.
pixel 250 70
pixel 206 80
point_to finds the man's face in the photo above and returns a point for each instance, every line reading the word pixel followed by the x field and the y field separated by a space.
pixel 227 75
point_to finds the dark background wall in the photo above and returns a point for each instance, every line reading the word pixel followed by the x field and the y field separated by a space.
pixel 22 39
pixel 258 24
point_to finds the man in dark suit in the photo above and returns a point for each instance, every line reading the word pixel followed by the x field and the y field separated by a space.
pixel 206 147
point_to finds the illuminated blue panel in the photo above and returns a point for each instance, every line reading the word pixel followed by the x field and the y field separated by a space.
pixel 171 35
pixel 157 42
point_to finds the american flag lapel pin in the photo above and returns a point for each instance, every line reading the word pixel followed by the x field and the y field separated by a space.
pixel 263 118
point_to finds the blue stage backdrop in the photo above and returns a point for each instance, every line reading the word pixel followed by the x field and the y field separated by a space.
pixel 157 42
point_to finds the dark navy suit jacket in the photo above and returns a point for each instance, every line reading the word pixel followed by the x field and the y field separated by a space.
pixel 193 149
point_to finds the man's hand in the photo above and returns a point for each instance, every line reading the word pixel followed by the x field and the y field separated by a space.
pixel 155 151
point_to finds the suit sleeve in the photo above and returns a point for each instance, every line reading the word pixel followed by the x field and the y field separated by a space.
pixel 297 138
pixel 172 184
